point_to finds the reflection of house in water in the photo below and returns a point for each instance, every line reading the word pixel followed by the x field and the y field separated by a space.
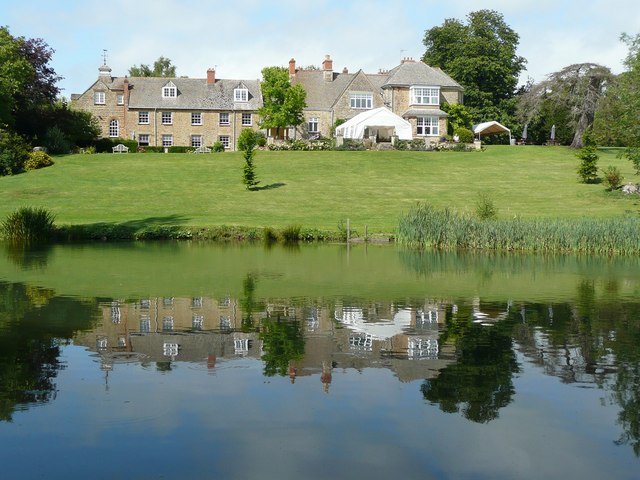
pixel 206 330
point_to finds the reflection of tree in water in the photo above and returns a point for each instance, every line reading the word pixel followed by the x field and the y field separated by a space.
pixel 283 342
pixel 480 382
pixel 33 326
pixel 248 303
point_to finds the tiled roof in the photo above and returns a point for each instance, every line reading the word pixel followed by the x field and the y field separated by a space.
pixel 419 73
pixel 322 94
pixel 420 112
pixel 193 94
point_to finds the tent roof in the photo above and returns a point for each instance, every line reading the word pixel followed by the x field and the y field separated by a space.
pixel 378 117
pixel 489 128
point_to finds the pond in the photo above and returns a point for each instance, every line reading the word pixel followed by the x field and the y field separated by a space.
pixel 188 360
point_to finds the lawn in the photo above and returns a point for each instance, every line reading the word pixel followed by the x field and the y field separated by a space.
pixel 313 189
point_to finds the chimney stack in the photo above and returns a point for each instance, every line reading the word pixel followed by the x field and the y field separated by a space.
pixel 211 76
pixel 292 67
pixel 327 66
pixel 345 70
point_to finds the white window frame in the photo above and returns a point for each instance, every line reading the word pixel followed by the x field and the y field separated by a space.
pixel 143 139
pixel 167 118
pixel 99 98
pixel 245 122
pixel 421 95
pixel 196 118
pixel 428 126
pixel 196 141
pixel 167 140
pixel 120 99
pixel 240 94
pixel 313 125
pixel 143 118
pixel 361 100
pixel 224 118
pixel 225 140
pixel 114 128
pixel 169 90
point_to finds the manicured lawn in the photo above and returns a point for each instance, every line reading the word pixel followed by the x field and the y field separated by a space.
pixel 313 189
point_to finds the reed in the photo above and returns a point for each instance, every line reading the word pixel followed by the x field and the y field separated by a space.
pixel 29 226
pixel 427 227
pixel 291 233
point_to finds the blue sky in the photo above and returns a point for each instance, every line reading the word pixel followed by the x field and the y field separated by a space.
pixel 239 38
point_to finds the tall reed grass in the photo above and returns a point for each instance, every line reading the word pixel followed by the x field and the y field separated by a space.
pixel 28 226
pixel 426 227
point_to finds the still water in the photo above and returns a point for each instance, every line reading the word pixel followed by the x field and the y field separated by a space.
pixel 185 360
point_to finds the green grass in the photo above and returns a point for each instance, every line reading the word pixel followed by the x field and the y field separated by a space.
pixel 316 190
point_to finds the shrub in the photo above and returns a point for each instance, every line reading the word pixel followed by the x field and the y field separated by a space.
pixel 249 177
pixel 401 145
pixel 28 226
pixel 485 209
pixel 269 235
pixel 612 177
pixel 588 168
pixel 90 150
pixel 14 151
pixel 105 145
pixel 180 149
pixel 261 139
pixel 38 160
pixel 217 147
pixel 291 233
pixel 464 134
pixel 56 142
pixel 632 154
pixel 351 145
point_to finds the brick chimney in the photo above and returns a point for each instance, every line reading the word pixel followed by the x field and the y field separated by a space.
pixel 292 67
pixel 327 66
pixel 408 60
pixel 125 87
pixel 345 70
pixel 211 76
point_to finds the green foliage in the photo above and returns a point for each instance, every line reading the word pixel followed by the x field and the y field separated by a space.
pixel 459 117
pixel 633 155
pixel 38 160
pixel 612 177
pixel 282 102
pixel 282 342
pixel 179 149
pixel 247 140
pixel 269 235
pixel 217 147
pixel 336 124
pixel 348 144
pixel 301 145
pixel 588 168
pixel 161 68
pixel 427 227
pixel 249 177
pixel 13 153
pixel 480 55
pixel 291 233
pixel 485 208
pixel 29 226
pixel 55 141
pixel 105 145
pixel 464 134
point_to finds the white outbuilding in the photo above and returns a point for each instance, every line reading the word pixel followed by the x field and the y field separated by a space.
pixel 379 122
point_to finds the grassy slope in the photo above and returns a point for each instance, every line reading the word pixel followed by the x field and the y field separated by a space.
pixel 313 189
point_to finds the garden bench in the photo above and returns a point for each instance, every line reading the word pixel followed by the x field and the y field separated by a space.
pixel 202 149
pixel 120 148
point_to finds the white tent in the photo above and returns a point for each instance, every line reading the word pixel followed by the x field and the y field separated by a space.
pixel 490 128
pixel 379 121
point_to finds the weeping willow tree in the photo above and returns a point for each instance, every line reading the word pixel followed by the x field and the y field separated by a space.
pixel 577 89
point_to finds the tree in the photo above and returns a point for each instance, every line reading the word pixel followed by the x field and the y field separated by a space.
pixel 282 102
pixel 247 142
pixel 616 120
pixel 161 68
pixel 577 89
pixel 481 56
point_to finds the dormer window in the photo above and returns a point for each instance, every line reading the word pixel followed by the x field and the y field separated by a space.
pixel 241 94
pixel 169 91
pixel 425 95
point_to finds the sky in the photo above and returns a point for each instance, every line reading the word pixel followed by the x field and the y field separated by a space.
pixel 241 37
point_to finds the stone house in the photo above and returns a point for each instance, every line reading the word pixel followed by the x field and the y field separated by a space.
pixel 412 90
pixel 159 111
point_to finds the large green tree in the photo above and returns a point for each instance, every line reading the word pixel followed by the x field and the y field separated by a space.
pixel 161 68
pixel 616 120
pixel 480 55
pixel 282 102
pixel 577 89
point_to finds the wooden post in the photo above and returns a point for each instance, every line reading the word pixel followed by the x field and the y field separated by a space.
pixel 366 233
pixel 348 230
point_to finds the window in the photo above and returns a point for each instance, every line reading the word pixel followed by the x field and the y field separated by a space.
pixel 427 126
pixel 99 98
pixel 114 128
pixel 224 118
pixel 143 140
pixel 224 139
pixel 143 118
pixel 246 119
pixel 169 91
pixel 196 118
pixel 313 125
pixel 167 140
pixel 240 95
pixel 425 96
pixel 362 100
pixel 196 141
pixel 120 99
pixel 167 118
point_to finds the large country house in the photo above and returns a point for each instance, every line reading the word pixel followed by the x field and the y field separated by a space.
pixel 172 111
pixel 198 112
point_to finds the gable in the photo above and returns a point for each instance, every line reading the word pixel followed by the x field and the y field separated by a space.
pixel 360 83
